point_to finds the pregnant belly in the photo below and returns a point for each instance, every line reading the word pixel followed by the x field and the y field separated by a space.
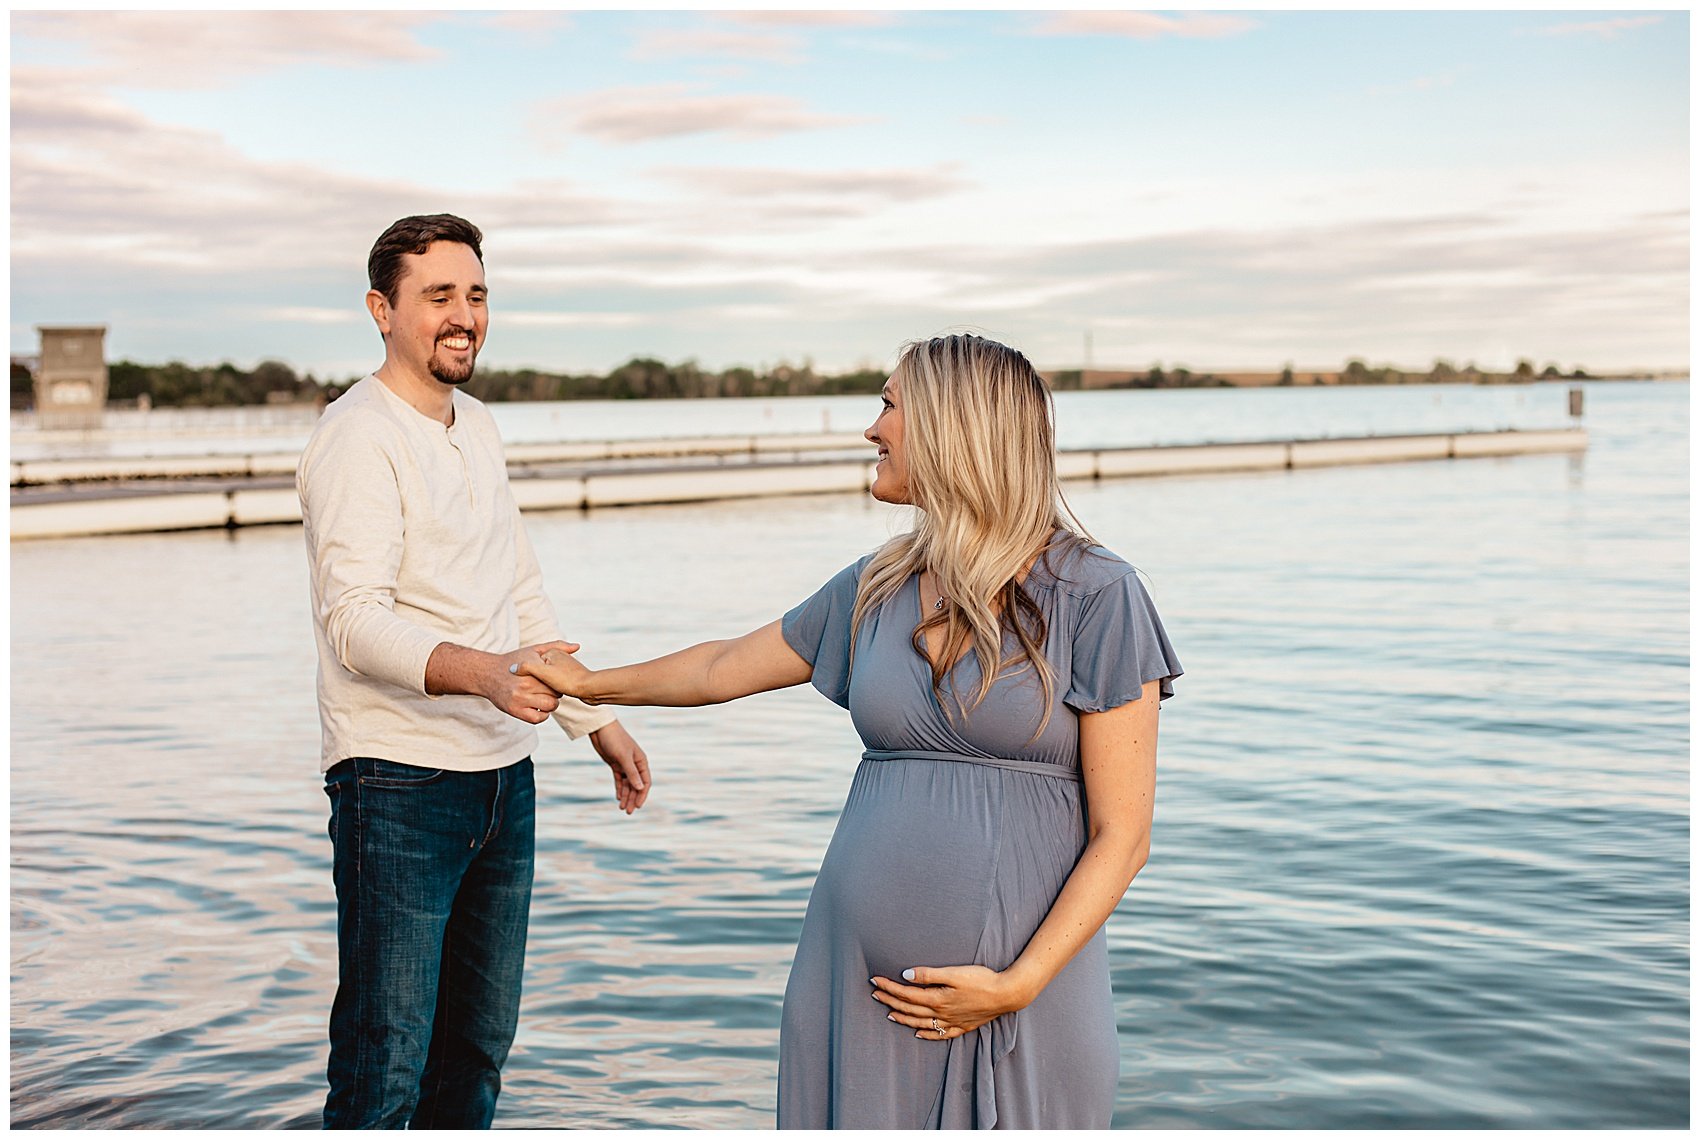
pixel 909 877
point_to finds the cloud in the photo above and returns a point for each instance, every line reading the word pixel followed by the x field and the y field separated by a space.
pixel 1405 289
pixel 1401 289
pixel 573 319
pixel 821 19
pixel 1144 25
pixel 202 49
pixel 849 186
pixel 1604 29
pixel 670 43
pixel 764 37
pixel 95 183
pixel 310 315
pixel 638 114
pixel 529 22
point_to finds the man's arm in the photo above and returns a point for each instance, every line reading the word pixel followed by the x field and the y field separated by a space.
pixel 457 669
pixel 624 757
pixel 351 507
pixel 537 624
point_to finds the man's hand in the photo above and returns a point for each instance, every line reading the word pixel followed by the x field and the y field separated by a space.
pixel 457 669
pixel 630 766
pixel 562 672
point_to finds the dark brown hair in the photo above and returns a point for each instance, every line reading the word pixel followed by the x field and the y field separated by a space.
pixel 415 235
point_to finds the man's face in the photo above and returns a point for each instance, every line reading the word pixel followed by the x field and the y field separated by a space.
pixel 437 322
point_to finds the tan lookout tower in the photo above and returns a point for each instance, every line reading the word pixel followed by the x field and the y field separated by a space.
pixel 70 385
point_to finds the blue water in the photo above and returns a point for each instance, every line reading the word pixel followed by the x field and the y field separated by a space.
pixel 1420 857
pixel 1084 419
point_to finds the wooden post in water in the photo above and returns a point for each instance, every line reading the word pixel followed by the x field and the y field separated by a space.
pixel 1576 403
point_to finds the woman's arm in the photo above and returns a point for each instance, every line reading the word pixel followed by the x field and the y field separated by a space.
pixel 1118 758
pixel 705 674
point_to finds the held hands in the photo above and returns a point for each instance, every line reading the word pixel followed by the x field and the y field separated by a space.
pixel 556 667
pixel 553 669
pixel 945 1002
pixel 515 692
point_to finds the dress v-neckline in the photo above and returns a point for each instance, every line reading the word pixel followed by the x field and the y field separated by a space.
pixel 921 616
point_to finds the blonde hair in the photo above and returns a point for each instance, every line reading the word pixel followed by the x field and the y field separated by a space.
pixel 980 442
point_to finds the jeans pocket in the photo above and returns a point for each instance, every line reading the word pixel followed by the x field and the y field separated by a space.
pixel 375 773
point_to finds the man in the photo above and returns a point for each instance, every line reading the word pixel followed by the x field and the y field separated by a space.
pixel 425 587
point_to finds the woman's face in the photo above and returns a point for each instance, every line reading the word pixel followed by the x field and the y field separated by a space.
pixel 891 473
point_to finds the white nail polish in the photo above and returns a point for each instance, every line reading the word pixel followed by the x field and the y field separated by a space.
pixel 909 975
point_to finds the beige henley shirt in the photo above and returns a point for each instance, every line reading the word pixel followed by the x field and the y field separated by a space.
pixel 414 539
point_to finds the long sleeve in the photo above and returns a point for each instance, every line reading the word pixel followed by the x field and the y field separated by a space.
pixel 352 507
pixel 537 623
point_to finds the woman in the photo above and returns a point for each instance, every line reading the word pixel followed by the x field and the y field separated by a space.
pixel 1004 675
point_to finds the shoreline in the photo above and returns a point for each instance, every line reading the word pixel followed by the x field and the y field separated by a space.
pixel 505 385
pixel 184 499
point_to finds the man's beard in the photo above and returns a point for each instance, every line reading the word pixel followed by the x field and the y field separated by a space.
pixel 445 372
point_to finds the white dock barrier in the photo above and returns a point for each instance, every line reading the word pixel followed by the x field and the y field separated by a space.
pixel 194 510
pixel 264 497
pixel 743 482
pixel 552 493
pixel 1517 442
pixel 1201 459
pixel 254 506
pixel 32 472
pixel 1335 452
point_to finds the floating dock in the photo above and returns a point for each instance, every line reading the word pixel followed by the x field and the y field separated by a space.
pixel 68 498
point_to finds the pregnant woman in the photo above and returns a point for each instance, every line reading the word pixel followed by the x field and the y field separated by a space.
pixel 1004 674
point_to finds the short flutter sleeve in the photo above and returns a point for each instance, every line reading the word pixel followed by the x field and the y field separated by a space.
pixel 818 628
pixel 1119 645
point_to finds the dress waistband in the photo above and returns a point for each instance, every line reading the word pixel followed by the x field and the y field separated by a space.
pixel 1031 767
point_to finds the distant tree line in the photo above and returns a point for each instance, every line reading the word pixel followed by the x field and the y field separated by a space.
pixel 1071 379
pixel 179 385
pixel 643 378
pixel 1445 372
pixel 1356 371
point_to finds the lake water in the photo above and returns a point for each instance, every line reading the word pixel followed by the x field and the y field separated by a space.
pixel 1084 419
pixel 1421 855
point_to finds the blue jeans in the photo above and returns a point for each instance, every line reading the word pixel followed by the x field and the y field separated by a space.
pixel 433 890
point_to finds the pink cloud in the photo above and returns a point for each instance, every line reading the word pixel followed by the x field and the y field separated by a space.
pixel 810 19
pixel 666 44
pixel 1144 25
pixel 638 114
pixel 95 182
pixel 198 49
pixel 530 22
pixel 846 186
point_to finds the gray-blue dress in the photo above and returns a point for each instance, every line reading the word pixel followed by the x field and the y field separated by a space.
pixel 954 842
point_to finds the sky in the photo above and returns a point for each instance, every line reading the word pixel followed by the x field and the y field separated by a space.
pixel 1107 188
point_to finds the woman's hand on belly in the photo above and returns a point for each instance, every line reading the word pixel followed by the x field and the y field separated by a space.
pixel 944 1002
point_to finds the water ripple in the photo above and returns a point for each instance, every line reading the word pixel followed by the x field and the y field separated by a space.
pixel 1420 859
